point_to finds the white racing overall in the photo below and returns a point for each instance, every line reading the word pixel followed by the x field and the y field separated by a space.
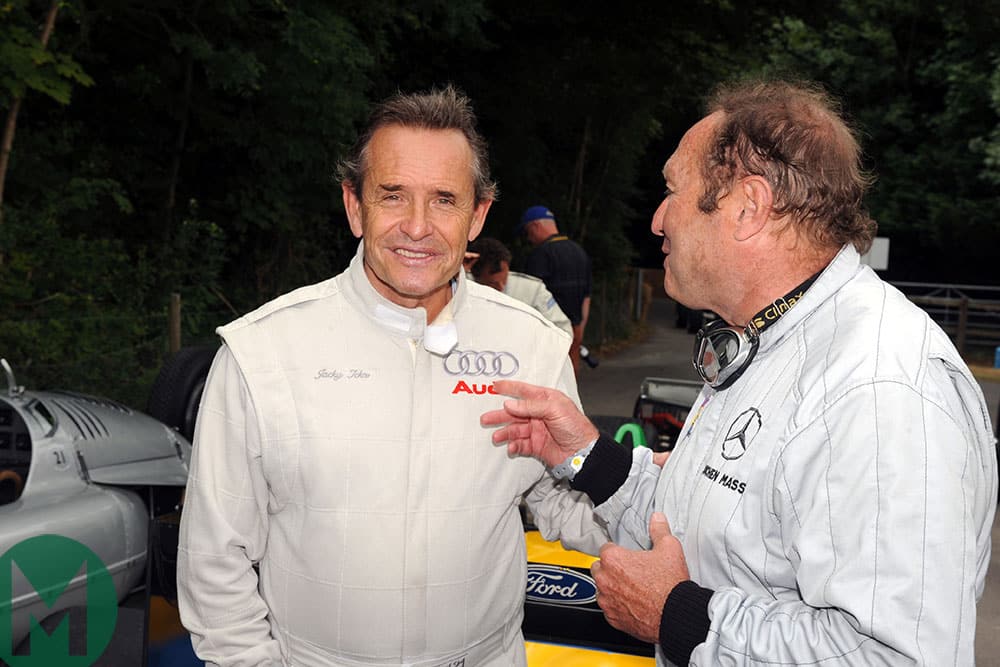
pixel 344 506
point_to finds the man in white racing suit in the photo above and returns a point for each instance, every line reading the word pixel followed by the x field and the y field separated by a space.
pixel 488 261
pixel 831 496
pixel 344 505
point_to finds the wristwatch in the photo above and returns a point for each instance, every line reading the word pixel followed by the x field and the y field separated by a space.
pixel 568 468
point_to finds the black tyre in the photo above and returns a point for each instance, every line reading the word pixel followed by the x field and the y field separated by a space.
pixel 176 392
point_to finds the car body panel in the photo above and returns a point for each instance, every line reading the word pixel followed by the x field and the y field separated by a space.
pixel 541 654
pixel 561 611
pixel 119 445
pixel 81 466
pixel 110 522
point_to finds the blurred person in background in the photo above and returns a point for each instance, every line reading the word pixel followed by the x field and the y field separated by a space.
pixel 489 264
pixel 564 267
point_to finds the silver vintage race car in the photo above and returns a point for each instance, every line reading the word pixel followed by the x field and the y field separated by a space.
pixel 82 480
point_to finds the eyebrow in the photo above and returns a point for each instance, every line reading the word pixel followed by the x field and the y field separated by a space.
pixel 396 187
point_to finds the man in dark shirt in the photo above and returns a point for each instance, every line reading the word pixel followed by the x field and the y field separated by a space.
pixel 563 266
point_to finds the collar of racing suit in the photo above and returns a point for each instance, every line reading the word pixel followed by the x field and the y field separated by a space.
pixel 841 269
pixel 439 337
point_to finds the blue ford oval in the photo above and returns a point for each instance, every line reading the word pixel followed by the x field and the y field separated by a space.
pixel 549 583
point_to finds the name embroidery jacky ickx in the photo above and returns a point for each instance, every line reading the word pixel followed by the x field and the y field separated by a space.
pixel 335 375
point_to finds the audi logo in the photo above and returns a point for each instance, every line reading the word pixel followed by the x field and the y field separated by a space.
pixel 486 363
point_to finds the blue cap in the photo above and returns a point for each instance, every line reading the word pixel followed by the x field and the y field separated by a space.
pixel 532 214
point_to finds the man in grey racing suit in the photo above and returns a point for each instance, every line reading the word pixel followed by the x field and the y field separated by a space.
pixel 831 495
pixel 344 506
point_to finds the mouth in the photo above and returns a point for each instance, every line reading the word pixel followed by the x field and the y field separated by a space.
pixel 408 253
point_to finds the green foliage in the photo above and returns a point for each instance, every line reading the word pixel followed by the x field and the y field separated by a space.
pixel 73 311
pixel 26 65
pixel 916 80
pixel 989 146
pixel 190 147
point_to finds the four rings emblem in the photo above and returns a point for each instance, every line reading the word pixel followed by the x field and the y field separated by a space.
pixel 486 363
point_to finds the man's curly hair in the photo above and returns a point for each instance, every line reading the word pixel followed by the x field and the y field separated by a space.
pixel 793 136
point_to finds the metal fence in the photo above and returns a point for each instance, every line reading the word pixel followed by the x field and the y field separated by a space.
pixel 970 314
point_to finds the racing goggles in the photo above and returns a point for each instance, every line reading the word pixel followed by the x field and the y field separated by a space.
pixel 723 352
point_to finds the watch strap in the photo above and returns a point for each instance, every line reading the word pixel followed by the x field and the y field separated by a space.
pixel 568 468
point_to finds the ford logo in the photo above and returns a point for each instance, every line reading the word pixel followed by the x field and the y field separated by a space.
pixel 548 583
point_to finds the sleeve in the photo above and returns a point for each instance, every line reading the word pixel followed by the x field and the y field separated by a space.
pixel 224 528
pixel 623 484
pixel 559 512
pixel 884 506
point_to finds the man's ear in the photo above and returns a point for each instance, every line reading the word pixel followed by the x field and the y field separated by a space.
pixel 757 199
pixel 479 218
pixel 352 206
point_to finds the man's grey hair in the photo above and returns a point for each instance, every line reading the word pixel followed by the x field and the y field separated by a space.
pixel 793 135
pixel 438 109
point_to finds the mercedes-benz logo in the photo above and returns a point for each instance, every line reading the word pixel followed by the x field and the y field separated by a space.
pixel 741 433
pixel 486 363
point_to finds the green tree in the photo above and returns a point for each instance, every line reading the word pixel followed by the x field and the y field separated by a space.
pixel 27 64
pixel 916 79
pixel 201 162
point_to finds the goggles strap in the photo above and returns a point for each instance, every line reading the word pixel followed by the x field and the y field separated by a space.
pixel 747 339
pixel 774 310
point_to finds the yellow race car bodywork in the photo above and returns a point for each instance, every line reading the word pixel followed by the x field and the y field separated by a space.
pixel 563 625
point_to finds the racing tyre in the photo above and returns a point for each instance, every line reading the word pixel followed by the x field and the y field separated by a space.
pixel 176 392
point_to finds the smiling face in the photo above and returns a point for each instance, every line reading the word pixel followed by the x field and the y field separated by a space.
pixel 417 213
pixel 698 246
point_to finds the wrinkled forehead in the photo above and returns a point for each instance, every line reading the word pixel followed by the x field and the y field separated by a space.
pixel 398 150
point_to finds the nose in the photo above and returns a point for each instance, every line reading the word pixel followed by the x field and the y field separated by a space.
pixel 417 223
pixel 657 223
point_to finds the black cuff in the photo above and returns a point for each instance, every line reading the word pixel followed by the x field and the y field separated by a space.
pixel 604 471
pixel 684 623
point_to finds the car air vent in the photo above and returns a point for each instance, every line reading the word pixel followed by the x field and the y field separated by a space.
pixel 93 400
pixel 87 424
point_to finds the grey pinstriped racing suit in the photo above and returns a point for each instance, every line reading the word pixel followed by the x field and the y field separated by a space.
pixel 838 498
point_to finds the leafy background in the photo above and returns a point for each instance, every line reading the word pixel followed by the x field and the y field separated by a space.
pixel 190 146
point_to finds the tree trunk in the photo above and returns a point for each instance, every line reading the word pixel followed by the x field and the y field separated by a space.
pixel 576 189
pixel 180 140
pixel 8 131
